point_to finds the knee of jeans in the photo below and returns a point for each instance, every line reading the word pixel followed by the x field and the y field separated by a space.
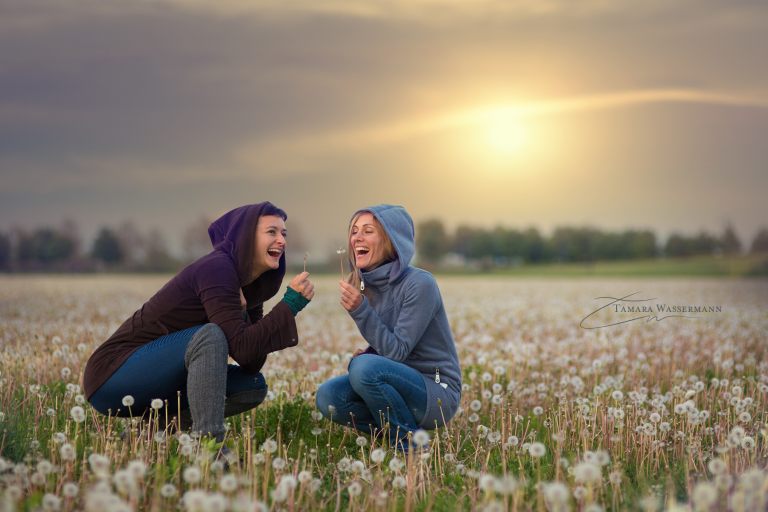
pixel 363 371
pixel 324 401
pixel 209 340
pixel 252 397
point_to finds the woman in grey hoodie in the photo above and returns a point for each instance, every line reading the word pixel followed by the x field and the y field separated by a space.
pixel 409 376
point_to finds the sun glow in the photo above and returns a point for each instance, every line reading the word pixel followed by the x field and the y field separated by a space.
pixel 504 132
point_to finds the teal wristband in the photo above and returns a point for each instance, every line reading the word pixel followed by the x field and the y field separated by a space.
pixel 295 300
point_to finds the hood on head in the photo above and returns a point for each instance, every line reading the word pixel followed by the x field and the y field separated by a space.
pixel 398 225
pixel 234 234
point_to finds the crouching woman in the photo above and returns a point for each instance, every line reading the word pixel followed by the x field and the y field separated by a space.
pixel 409 376
pixel 176 346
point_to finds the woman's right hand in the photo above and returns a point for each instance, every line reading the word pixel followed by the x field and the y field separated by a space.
pixel 303 285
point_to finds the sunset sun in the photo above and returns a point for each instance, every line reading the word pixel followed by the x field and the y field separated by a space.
pixel 504 133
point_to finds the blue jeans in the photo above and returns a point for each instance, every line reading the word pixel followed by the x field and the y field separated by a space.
pixel 158 370
pixel 377 391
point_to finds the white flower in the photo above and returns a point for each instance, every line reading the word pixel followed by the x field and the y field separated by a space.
pixel 288 482
pixel 537 450
pixel 704 496
pixel 305 477
pixel 195 500
pixel 128 400
pixel 51 502
pixel 355 489
pixel 487 482
pixel 124 482
pixel 137 468
pixel 556 494
pixel 587 473
pixel 192 475
pixel 398 482
pixel 513 441
pixel 278 463
pixel 421 438
pixel 395 464
pixel 215 502
pixel 78 414
pixel 617 395
pixel 99 465
pixel 228 483
pixel 378 455
pixel 67 452
pixel 168 491
pixel 70 490
pixel 475 405
pixel 361 441
pixel 269 446
pixel 538 410
pixel 157 403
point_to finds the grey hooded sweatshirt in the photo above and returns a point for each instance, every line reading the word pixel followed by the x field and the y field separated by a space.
pixel 402 318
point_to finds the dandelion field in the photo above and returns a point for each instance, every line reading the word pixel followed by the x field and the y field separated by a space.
pixel 647 415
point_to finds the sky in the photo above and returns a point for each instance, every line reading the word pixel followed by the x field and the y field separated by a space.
pixel 544 113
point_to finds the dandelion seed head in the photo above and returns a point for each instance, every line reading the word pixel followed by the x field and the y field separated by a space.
pixel 78 414
pixel 168 491
pixel 421 438
pixel 537 450
pixel 377 455
pixel 192 475
pixel 398 482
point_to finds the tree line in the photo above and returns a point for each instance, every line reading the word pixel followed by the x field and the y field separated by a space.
pixel 502 246
pixel 126 248
pixel 123 248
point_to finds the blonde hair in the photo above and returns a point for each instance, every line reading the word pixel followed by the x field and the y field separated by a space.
pixel 389 250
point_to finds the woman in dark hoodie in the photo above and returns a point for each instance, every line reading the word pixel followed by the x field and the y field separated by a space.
pixel 176 346
pixel 409 375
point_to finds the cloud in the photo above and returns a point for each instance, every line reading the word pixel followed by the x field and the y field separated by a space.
pixel 277 151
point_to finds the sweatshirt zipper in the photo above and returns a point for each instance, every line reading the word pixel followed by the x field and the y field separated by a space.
pixel 437 375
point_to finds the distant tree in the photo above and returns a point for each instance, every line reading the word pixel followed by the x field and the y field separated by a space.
pixel 44 246
pixel 677 246
pixel 575 244
pixel 760 242
pixel 431 241
pixel 107 247
pixel 701 244
pixel 508 244
pixel 196 242
pixel 642 244
pixel 535 246
pixel 705 244
pixel 5 252
pixel 69 230
pixel 132 244
pixel 729 241
pixel 158 257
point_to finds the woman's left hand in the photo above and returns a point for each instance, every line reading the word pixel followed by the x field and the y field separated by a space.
pixel 351 298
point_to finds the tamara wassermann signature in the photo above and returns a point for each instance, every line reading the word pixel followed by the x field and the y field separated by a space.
pixel 617 301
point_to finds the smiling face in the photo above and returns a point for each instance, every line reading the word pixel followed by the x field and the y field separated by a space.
pixel 368 242
pixel 269 244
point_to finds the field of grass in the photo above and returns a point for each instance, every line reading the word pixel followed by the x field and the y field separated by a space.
pixel 648 415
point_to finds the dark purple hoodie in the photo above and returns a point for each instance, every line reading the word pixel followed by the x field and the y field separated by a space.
pixel 208 291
